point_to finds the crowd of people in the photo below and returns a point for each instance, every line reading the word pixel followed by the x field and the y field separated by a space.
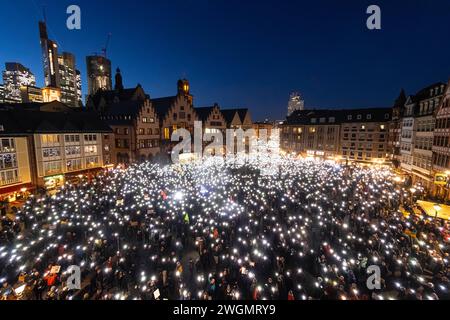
pixel 227 229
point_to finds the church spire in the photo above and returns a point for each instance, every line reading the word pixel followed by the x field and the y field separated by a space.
pixel 119 84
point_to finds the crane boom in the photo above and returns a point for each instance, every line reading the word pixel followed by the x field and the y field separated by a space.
pixel 105 49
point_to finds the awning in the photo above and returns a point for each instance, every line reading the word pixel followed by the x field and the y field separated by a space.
pixel 428 207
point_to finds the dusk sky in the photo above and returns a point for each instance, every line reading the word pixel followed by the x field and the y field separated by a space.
pixel 247 53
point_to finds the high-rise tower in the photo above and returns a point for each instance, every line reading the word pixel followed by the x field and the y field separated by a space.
pixel 68 79
pixel 16 76
pixel 99 74
pixel 50 58
pixel 296 102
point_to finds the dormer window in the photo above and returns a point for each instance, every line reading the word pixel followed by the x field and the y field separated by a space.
pixel 2 128
pixel 369 116
pixel 359 117
pixel 349 117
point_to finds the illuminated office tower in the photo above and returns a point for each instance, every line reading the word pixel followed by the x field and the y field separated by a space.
pixel 16 76
pixel 68 79
pixel 79 98
pixel 2 93
pixel 50 58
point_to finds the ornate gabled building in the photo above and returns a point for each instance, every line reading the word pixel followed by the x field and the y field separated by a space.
pixel 441 147
pixel 238 118
pixel 133 119
pixel 211 118
pixel 175 112
pixel 417 133
pixel 212 122
pixel 102 98
pixel 395 128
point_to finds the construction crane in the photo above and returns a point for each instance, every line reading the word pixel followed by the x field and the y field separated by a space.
pixel 105 49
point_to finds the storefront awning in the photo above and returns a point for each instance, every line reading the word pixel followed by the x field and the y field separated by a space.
pixel 428 207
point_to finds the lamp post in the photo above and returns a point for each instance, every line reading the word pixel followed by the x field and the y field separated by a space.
pixel 437 208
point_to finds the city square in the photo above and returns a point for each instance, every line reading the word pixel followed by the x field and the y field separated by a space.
pixel 225 229
pixel 224 159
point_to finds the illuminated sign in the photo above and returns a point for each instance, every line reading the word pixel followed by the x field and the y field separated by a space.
pixel 440 179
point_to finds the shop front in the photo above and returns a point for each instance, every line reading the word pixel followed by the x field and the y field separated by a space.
pixel 16 192
pixel 53 182
pixel 442 186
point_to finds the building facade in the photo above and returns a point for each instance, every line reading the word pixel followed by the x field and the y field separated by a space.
pixel 238 118
pixel 175 112
pixel 70 94
pixel 357 135
pixel 50 94
pixel 417 134
pixel 264 127
pixel 395 128
pixel 79 92
pixel 2 93
pixel 64 156
pixel 133 119
pixel 213 123
pixel 296 103
pixel 15 168
pixel 16 76
pixel 365 135
pixel 212 119
pixel 441 148
pixel 313 133
pixel 31 94
pixel 47 145
pixel 98 74
pixel 51 90
pixel 136 131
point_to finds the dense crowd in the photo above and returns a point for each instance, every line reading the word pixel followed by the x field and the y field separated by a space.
pixel 236 229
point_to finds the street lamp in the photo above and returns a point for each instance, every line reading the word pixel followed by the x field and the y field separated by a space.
pixel 437 208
